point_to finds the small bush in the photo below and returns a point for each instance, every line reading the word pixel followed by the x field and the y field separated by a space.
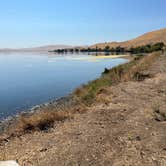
pixel 40 121
pixel 106 71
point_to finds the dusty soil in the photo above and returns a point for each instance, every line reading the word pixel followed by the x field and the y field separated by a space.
pixel 128 129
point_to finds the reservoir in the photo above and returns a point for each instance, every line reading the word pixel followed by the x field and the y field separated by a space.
pixel 28 79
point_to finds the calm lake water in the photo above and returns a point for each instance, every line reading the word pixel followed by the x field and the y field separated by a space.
pixel 28 79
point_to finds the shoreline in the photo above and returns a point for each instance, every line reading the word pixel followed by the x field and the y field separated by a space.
pixel 54 103
pixel 113 56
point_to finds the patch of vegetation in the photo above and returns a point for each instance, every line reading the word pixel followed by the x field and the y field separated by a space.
pixel 106 71
pixel 39 121
pixel 147 48
pixel 134 50
pixel 140 76
pixel 126 72
pixel 130 137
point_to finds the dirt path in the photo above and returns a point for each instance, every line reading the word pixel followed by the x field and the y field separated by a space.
pixel 130 129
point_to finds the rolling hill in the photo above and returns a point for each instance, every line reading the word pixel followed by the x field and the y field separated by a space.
pixel 148 38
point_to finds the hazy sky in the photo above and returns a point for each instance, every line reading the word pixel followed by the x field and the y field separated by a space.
pixel 26 23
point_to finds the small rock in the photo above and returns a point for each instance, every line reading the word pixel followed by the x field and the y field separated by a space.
pixel 43 150
pixel 138 138
pixel 8 163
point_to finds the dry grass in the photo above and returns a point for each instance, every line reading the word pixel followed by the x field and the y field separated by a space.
pixel 45 119
pixel 40 121
pixel 126 72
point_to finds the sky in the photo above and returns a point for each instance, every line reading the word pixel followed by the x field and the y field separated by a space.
pixel 30 23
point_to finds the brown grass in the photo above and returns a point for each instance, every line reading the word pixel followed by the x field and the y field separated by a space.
pixel 40 121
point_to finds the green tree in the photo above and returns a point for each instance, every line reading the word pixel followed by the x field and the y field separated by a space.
pixel 107 49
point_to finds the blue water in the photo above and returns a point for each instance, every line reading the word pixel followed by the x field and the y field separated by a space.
pixel 28 79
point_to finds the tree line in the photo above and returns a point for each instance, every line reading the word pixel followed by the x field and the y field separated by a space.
pixel 149 48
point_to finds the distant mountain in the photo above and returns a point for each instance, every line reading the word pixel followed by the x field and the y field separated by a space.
pixel 148 38
pixel 48 48
pixel 39 49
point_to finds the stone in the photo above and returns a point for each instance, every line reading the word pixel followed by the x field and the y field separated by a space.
pixel 9 163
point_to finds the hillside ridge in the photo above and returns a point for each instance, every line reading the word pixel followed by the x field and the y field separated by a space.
pixel 147 38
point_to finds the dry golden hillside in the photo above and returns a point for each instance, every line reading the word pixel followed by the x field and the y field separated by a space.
pixel 148 38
